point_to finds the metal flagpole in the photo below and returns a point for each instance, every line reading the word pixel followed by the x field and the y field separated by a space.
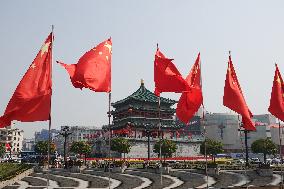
pixel 204 128
pixel 160 140
pixel 109 136
pixel 49 124
pixel 244 152
pixel 280 153
pixel 205 147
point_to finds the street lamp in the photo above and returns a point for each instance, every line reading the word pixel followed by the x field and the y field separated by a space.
pixel 65 132
pixel 147 126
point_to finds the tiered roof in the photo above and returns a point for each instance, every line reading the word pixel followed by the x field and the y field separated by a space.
pixel 144 95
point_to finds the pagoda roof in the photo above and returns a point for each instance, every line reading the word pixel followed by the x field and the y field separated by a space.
pixel 144 95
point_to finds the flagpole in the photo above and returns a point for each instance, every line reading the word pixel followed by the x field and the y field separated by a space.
pixel 160 140
pixel 109 136
pixel 49 124
pixel 244 151
pixel 280 152
pixel 204 128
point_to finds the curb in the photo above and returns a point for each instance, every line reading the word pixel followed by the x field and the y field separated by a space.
pixel 16 178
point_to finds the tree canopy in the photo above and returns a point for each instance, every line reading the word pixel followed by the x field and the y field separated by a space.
pixel 168 147
pixel 80 147
pixel 41 147
pixel 120 145
pixel 265 146
pixel 2 150
pixel 212 148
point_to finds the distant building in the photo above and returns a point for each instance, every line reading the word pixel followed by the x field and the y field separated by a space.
pixel 28 144
pixel 13 137
pixel 265 118
pixel 43 135
pixel 225 127
pixel 83 133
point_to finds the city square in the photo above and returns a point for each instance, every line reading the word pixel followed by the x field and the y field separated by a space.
pixel 131 95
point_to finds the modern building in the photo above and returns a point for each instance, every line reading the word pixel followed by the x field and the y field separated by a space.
pixel 13 137
pixel 43 135
pixel 28 144
pixel 83 133
pixel 225 128
pixel 265 118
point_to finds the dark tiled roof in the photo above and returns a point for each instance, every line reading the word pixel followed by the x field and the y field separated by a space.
pixel 143 94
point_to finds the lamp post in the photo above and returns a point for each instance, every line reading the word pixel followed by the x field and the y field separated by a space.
pixel 148 132
pixel 65 132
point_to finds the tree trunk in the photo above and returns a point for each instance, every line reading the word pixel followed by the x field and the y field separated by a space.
pixel 85 159
pixel 264 156
pixel 124 157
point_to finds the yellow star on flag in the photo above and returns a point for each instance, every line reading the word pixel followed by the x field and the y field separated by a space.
pixel 33 66
pixel 44 48
pixel 108 46
pixel 278 79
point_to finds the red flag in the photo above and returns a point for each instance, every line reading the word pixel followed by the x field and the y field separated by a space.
pixel 233 97
pixel 166 76
pixel 93 69
pixel 191 100
pixel 8 147
pixel 31 100
pixel 276 107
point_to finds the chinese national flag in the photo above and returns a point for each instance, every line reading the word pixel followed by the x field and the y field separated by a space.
pixel 93 69
pixel 31 100
pixel 7 146
pixel 233 97
pixel 276 107
pixel 166 76
pixel 191 100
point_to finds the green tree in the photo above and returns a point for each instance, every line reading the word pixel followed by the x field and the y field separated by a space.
pixel 168 148
pixel 265 146
pixel 212 148
pixel 2 150
pixel 82 148
pixel 41 147
pixel 120 145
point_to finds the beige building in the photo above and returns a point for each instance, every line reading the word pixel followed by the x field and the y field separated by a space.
pixel 13 137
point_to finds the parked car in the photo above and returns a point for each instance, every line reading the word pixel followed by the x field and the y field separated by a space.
pixel 275 161
pixel 254 161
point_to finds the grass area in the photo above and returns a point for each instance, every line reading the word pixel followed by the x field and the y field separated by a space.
pixel 10 170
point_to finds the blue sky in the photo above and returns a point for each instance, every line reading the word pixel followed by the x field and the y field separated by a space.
pixel 252 30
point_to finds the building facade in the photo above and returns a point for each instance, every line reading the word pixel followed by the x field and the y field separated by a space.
pixel 226 127
pixel 13 137
pixel 137 118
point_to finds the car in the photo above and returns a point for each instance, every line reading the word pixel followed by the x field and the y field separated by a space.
pixel 275 161
pixel 268 161
pixel 254 161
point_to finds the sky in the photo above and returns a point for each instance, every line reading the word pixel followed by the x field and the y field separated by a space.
pixel 251 30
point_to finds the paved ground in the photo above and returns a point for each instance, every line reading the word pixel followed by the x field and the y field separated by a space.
pixel 139 179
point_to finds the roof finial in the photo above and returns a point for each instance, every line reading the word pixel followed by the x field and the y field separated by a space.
pixel 142 81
